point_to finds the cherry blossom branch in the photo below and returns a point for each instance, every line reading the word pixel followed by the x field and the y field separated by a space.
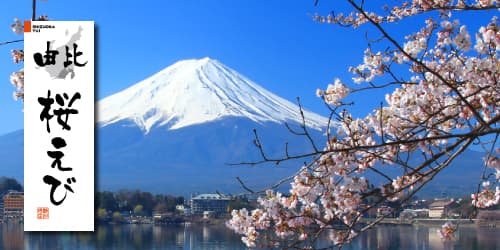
pixel 421 181
pixel 274 186
pixel 402 50
pixel 266 159
pixel 405 10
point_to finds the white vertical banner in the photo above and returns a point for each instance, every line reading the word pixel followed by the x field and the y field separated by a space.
pixel 59 126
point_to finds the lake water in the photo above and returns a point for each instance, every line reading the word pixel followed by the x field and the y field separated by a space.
pixel 218 237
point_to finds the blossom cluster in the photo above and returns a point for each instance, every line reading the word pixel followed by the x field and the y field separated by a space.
pixel 17 27
pixel 17 79
pixel 334 93
pixel 286 216
pixel 17 56
pixel 486 197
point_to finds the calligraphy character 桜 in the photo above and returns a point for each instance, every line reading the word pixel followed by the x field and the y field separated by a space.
pixel 67 111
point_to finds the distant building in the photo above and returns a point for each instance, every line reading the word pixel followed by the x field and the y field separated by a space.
pixel 385 211
pixel 414 213
pixel 419 204
pixel 440 208
pixel 180 208
pixel 215 203
pixel 157 215
pixel 13 204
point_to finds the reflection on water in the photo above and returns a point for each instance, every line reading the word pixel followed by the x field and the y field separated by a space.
pixel 134 236
pixel 426 237
pixel 218 237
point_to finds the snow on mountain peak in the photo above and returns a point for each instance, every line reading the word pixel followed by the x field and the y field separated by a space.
pixel 195 91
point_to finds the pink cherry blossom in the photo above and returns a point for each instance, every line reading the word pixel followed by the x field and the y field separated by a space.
pixel 17 27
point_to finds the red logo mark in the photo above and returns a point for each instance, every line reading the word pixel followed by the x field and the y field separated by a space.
pixel 42 213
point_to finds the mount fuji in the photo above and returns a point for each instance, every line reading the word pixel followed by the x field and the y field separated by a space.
pixel 176 131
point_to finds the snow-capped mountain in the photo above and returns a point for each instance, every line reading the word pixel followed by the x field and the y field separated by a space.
pixel 193 92
pixel 179 128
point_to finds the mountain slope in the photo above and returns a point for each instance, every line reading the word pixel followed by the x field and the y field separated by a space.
pixel 195 158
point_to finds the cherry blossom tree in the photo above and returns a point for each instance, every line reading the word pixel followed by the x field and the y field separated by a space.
pixel 443 97
pixel 17 77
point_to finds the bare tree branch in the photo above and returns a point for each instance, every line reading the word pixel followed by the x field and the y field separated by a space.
pixel 13 41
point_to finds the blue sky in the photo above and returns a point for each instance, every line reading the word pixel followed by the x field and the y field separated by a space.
pixel 275 44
